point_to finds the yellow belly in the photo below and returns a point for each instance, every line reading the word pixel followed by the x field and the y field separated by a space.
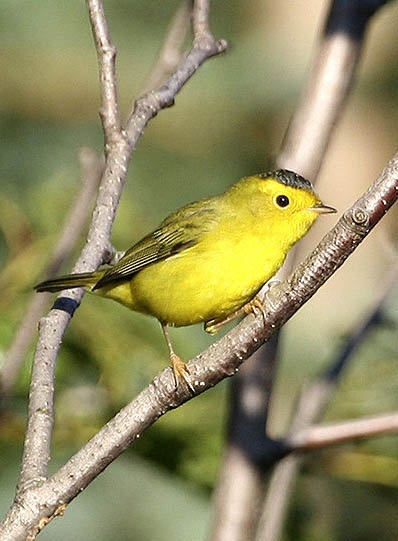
pixel 207 281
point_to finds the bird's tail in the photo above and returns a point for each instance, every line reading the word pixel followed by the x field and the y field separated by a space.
pixel 85 279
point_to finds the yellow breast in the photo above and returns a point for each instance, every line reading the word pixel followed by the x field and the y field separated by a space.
pixel 207 281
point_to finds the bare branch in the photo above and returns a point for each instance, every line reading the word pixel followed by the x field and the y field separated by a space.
pixel 170 54
pixel 91 168
pixel 329 85
pixel 275 504
pixel 204 47
pixel 41 408
pixel 120 145
pixel 306 439
pixel 238 496
pixel 217 362
pixel 314 437
pixel 240 488
pixel 200 21
pixel 106 53
pixel 324 98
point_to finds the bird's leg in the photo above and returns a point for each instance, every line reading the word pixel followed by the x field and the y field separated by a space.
pixel 180 369
pixel 255 306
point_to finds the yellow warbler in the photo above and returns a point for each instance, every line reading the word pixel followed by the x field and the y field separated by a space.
pixel 208 259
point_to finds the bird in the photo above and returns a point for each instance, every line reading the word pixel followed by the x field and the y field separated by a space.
pixel 206 262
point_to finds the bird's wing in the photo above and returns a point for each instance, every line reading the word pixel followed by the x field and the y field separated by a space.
pixel 176 233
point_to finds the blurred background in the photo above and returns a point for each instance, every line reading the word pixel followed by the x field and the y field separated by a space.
pixel 228 122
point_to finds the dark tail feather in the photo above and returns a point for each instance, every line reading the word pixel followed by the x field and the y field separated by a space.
pixel 86 280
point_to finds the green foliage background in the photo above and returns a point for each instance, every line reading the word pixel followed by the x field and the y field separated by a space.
pixel 228 122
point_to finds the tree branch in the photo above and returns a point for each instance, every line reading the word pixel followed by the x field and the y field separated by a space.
pixel 312 403
pixel 306 439
pixel 204 47
pixel 106 53
pixel 328 88
pixel 318 436
pixel 217 362
pixel 119 147
pixel 170 53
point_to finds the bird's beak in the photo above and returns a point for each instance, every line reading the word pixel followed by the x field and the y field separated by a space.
pixel 320 208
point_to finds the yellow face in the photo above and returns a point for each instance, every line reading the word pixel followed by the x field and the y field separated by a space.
pixel 288 203
pixel 285 211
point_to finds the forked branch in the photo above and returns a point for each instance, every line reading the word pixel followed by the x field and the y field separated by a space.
pixel 118 150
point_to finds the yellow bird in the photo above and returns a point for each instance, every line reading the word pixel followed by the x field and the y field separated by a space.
pixel 208 259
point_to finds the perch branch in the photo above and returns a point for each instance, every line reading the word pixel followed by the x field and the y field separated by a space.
pixel 313 401
pixel 217 362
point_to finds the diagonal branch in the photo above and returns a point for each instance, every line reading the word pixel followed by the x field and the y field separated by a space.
pixel 312 403
pixel 217 362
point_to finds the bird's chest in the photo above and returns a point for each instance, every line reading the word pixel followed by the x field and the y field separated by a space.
pixel 207 281
pixel 238 266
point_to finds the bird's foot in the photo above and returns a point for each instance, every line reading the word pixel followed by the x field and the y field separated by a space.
pixel 214 325
pixel 256 307
pixel 181 372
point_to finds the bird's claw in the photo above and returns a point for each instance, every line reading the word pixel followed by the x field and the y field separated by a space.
pixel 181 372
pixel 256 307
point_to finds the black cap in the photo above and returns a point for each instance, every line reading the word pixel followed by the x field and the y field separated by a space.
pixel 289 178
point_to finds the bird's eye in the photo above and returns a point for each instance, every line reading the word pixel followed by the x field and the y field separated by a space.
pixel 282 201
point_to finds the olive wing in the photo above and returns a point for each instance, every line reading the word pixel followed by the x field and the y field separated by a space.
pixel 176 233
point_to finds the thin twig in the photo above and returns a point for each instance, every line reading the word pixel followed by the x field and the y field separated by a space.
pixel 91 170
pixel 318 436
pixel 307 439
pixel 106 52
pixel 217 362
pixel 170 53
pixel 204 47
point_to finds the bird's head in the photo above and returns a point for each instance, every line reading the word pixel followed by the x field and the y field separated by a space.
pixel 284 200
